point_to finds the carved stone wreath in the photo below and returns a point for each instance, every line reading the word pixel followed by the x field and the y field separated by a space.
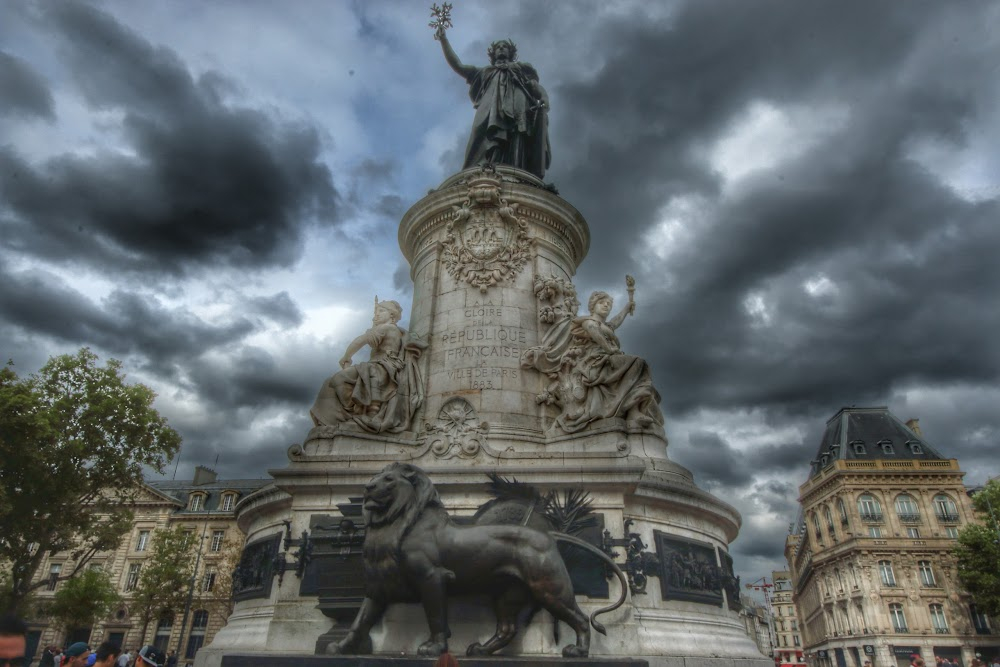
pixel 487 242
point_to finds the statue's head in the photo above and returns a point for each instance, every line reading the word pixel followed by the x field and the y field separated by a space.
pixel 596 298
pixel 390 310
pixel 502 45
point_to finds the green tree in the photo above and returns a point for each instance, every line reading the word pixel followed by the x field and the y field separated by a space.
pixel 84 600
pixel 978 551
pixel 74 441
pixel 165 577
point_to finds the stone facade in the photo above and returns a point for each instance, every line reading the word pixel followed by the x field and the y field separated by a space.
pixel 871 556
pixel 207 507
pixel 787 637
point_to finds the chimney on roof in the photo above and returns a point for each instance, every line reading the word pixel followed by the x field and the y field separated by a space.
pixel 914 425
pixel 204 475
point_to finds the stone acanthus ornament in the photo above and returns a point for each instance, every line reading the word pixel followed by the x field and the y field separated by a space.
pixel 486 242
pixel 457 431
pixel 590 378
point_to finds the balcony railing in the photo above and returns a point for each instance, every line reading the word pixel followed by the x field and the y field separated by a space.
pixel 910 517
pixel 901 629
pixel 940 631
pixel 947 517
pixel 871 517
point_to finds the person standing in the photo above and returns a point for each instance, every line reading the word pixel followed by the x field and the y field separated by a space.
pixel 76 655
pixel 124 659
pixel 171 659
pixel 13 640
pixel 48 658
pixel 149 656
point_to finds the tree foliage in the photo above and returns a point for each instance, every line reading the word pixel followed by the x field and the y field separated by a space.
pixel 978 551
pixel 165 577
pixel 74 440
pixel 221 601
pixel 84 600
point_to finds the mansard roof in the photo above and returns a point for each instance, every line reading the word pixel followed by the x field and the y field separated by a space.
pixel 869 433
pixel 182 490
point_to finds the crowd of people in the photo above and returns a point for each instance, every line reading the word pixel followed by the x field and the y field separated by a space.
pixel 13 646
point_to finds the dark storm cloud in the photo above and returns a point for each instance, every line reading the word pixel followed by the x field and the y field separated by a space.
pixel 25 92
pixel 201 183
pixel 279 308
pixel 123 323
pixel 717 463
pixel 908 264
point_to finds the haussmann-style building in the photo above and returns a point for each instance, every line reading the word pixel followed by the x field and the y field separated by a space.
pixel 871 555
pixel 205 506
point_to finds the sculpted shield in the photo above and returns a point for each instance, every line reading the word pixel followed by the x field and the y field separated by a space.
pixel 486 242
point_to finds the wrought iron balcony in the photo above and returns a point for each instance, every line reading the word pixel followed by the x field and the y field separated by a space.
pixel 902 629
pixel 947 517
pixel 871 517
pixel 910 517
pixel 941 631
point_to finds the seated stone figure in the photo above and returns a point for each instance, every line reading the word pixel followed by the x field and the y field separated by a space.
pixel 591 377
pixel 382 394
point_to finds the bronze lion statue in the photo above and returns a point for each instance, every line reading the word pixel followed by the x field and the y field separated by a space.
pixel 414 552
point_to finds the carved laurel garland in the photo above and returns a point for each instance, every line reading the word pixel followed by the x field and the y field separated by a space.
pixel 487 242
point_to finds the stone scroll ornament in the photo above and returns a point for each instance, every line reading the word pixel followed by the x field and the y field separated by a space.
pixel 458 431
pixel 590 378
pixel 380 395
pixel 486 242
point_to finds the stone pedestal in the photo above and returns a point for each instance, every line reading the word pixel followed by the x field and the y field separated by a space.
pixel 481 248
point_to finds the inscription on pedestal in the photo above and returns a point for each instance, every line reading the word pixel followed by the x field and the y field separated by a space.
pixel 484 352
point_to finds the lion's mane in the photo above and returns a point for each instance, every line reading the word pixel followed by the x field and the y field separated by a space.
pixel 413 495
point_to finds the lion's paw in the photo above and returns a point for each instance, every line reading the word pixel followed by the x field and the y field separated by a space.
pixel 574 651
pixel 476 649
pixel 431 647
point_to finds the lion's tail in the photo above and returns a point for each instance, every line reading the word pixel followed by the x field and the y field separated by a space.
pixel 563 537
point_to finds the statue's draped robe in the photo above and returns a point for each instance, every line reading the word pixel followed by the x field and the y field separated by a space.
pixel 390 378
pixel 593 383
pixel 506 130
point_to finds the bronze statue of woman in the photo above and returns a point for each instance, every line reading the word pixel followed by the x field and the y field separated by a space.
pixel 511 123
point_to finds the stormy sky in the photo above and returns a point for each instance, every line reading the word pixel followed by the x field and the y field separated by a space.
pixel 807 193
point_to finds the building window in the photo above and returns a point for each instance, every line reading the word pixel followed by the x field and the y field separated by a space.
pixel 912 531
pixel 143 542
pixel 926 573
pixel 859 447
pixel 817 529
pixel 197 503
pixel 795 640
pixel 829 520
pixel 938 621
pixel 197 636
pixel 898 618
pixel 952 532
pixel 870 508
pixel 208 583
pixel 54 570
pixel 842 510
pixel 228 501
pixel 915 447
pixel 874 531
pixel 886 446
pixel 945 509
pixel 885 571
pixel 217 538
pixel 163 628
pixel 132 580
pixel 979 621
pixel 906 509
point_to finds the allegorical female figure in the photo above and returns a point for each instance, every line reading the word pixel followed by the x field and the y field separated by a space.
pixel 511 123
pixel 591 377
pixel 382 394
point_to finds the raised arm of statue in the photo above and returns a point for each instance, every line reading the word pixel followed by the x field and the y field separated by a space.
pixel 617 320
pixel 353 348
pixel 464 71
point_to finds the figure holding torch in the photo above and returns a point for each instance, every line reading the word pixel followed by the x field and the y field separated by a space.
pixel 630 286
